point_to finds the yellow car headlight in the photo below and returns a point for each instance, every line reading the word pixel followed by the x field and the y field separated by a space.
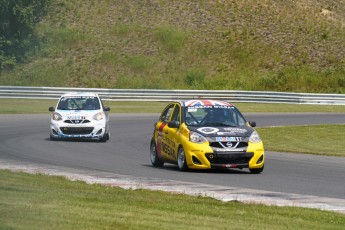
pixel 254 137
pixel 196 137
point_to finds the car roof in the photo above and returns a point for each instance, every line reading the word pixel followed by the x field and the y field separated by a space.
pixel 204 102
pixel 86 94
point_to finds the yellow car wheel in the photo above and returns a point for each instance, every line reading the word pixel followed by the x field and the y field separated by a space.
pixel 181 160
pixel 156 162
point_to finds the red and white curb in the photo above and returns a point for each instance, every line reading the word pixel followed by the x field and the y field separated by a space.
pixel 223 193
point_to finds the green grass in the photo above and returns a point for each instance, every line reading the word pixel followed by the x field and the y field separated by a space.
pixel 288 108
pixel 312 139
pixel 243 45
pixel 172 39
pixel 29 106
pixel 48 202
pixel 22 106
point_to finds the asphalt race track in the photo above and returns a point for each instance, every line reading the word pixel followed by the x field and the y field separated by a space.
pixel 25 138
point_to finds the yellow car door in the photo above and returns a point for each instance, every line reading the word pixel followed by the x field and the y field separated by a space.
pixel 172 134
pixel 161 131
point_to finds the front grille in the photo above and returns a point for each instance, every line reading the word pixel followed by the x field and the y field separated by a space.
pixel 76 121
pixel 224 144
pixel 229 158
pixel 76 130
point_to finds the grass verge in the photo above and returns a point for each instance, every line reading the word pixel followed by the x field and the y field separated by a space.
pixel 30 106
pixel 39 201
pixel 312 139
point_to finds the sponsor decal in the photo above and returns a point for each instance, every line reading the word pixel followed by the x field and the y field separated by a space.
pixel 227 139
pixel 168 146
pixel 224 133
pixel 75 117
pixel 208 130
pixel 230 166
pixel 76 125
pixel 164 144
pixel 228 134
pixel 192 110
pixel 77 97
pixel 235 130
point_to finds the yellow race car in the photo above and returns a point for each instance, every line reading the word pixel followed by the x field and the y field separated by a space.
pixel 206 134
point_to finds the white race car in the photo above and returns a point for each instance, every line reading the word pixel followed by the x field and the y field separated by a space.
pixel 80 116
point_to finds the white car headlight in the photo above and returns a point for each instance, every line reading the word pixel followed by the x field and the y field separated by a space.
pixel 196 137
pixel 98 116
pixel 56 116
pixel 254 137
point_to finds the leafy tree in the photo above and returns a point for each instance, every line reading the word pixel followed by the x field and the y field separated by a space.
pixel 17 18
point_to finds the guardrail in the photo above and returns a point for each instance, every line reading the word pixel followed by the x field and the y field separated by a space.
pixel 170 95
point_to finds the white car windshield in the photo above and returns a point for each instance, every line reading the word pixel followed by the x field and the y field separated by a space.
pixel 79 103
pixel 214 116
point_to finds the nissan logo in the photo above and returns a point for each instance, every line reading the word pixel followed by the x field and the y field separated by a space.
pixel 229 144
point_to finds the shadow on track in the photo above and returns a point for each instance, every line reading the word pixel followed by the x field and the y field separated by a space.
pixel 174 168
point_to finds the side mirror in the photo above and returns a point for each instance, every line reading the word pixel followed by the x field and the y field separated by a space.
pixel 106 109
pixel 252 123
pixel 174 124
pixel 51 109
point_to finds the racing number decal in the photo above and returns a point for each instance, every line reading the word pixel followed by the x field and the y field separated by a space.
pixel 168 146
pixel 165 146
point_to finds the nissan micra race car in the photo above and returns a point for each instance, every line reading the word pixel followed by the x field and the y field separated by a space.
pixel 206 134
pixel 80 116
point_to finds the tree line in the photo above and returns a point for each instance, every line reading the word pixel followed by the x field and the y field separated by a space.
pixel 17 20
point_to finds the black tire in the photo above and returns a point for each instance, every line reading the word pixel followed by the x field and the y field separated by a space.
pixel 52 138
pixel 257 171
pixel 181 160
pixel 155 161
pixel 104 138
